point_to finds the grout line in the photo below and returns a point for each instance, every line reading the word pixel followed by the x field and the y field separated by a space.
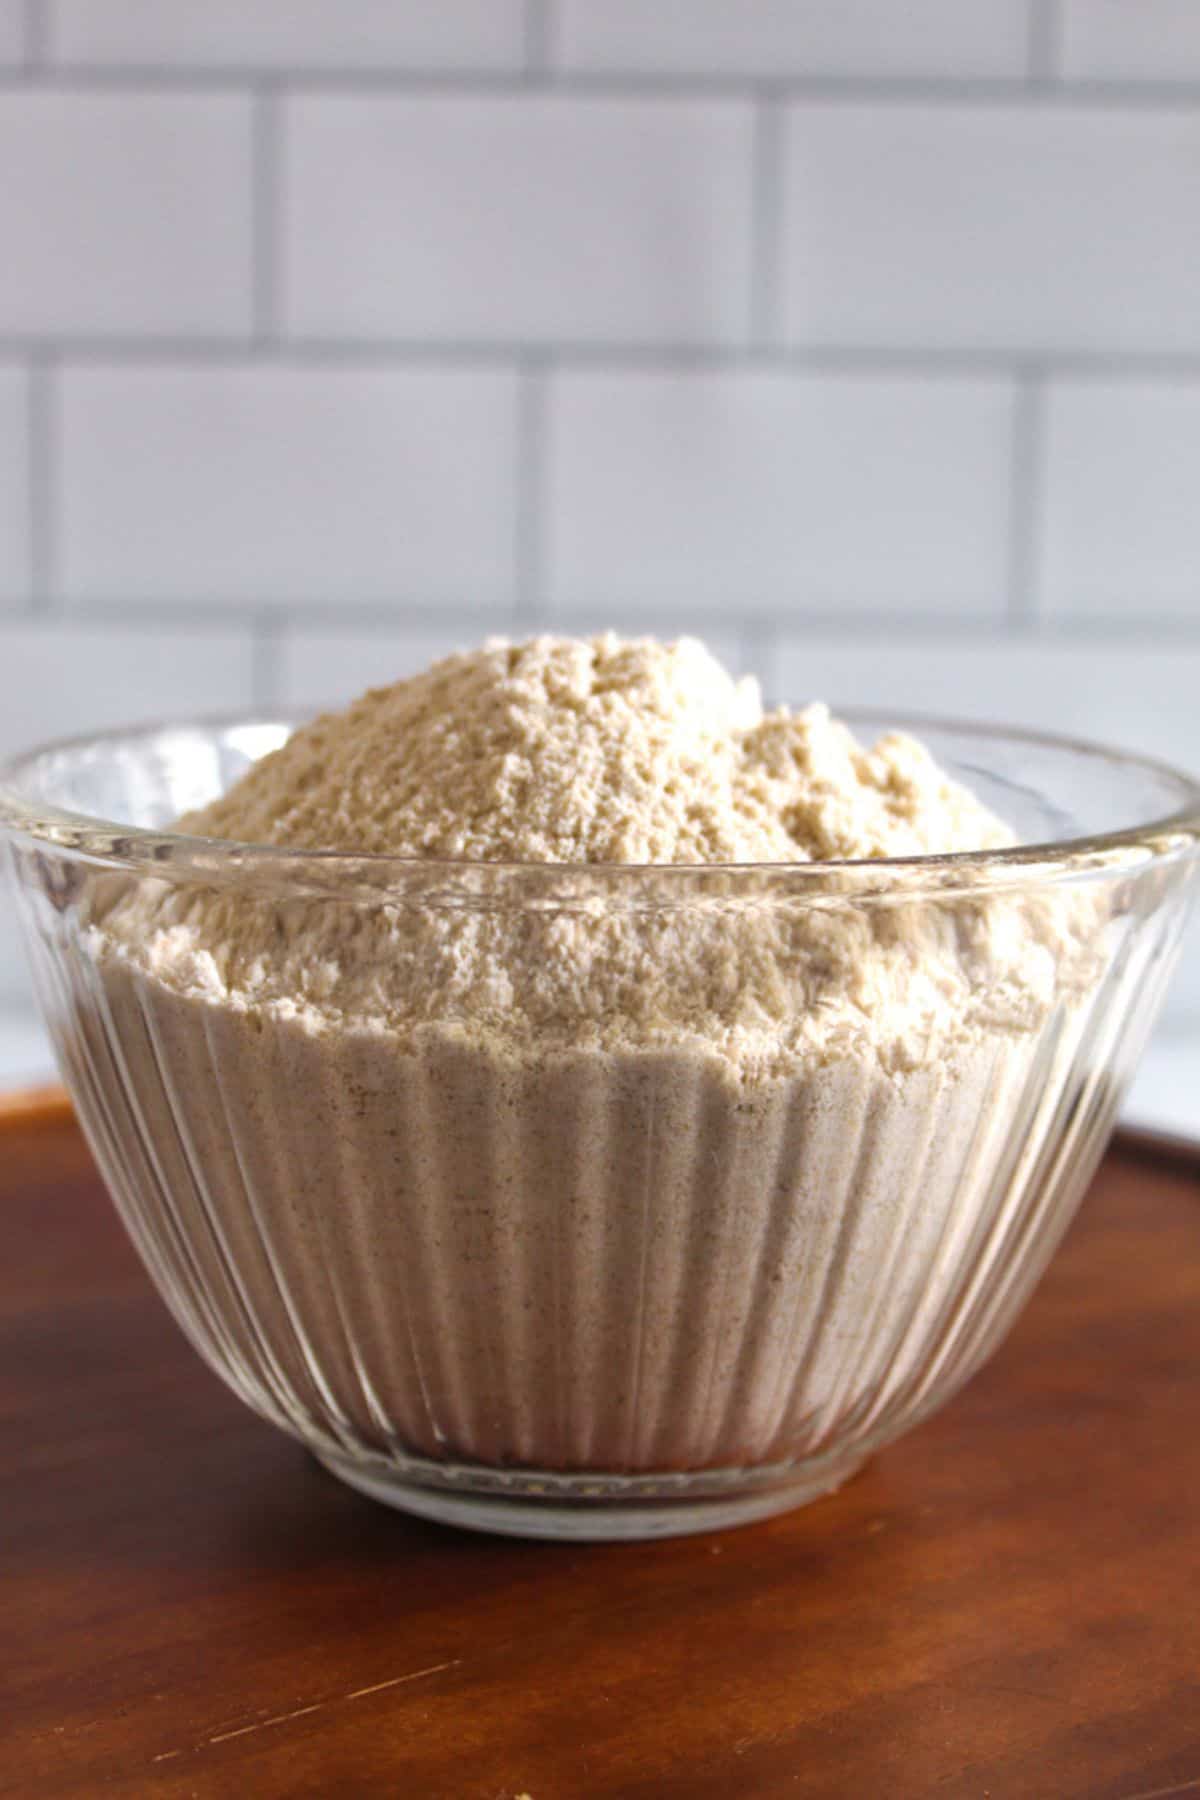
pixel 35 37
pixel 1045 40
pixel 757 641
pixel 1035 90
pixel 1025 496
pixel 760 626
pixel 157 617
pixel 314 352
pixel 266 643
pixel 265 213
pixel 43 482
pixel 539 45
pixel 417 610
pixel 529 543
pixel 1085 631
pixel 766 221
pixel 134 349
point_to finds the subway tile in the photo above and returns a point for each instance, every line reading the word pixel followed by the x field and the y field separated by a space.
pixel 66 677
pixel 14 486
pixel 329 668
pixel 12 32
pixel 59 679
pixel 1114 40
pixel 1120 533
pixel 348 34
pixel 244 484
pixel 747 492
pixel 516 217
pixel 124 213
pixel 797 37
pixel 1130 695
pixel 1023 227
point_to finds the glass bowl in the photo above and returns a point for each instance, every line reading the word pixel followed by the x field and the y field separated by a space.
pixel 595 1202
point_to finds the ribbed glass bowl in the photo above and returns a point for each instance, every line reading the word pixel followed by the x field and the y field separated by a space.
pixel 574 1282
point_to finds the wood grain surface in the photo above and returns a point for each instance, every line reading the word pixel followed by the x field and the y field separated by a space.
pixel 1004 1604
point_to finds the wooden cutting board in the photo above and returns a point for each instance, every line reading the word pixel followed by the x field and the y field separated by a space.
pixel 1004 1604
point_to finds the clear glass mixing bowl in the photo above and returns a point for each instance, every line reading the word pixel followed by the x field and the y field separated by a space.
pixel 593 1271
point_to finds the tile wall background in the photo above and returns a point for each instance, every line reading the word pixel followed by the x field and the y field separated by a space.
pixel 862 338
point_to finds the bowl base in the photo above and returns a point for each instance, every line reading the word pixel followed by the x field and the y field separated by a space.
pixel 587 1508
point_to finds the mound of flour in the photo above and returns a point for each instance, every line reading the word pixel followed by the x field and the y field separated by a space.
pixel 597 750
pixel 585 753
pixel 570 1168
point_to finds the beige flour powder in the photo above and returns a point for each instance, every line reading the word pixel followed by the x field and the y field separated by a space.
pixel 582 1169
pixel 595 751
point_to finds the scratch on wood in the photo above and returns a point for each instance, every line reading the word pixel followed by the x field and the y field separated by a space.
pixel 1168 1793
pixel 223 1737
pixel 398 1680
pixel 301 1712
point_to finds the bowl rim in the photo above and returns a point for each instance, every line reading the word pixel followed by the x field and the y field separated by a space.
pixel 178 855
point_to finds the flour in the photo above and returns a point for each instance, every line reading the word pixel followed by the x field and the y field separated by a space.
pixel 599 750
pixel 571 1168
pixel 590 753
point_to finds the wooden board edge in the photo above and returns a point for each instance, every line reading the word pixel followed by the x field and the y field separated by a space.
pixel 49 1104
pixel 1158 1147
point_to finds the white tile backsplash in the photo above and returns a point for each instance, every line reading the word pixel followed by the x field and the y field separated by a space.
pixel 12 32
pixel 265 34
pixel 1130 40
pixel 1030 227
pixel 1121 529
pixel 1133 696
pixel 124 213
pixel 516 217
pixel 14 488
pixel 797 37
pixel 748 492
pixel 251 485
pixel 63 676
pixel 334 333
pixel 59 679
